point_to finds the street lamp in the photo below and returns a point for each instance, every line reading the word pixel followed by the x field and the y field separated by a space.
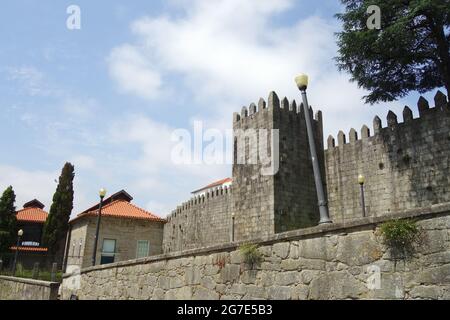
pixel 361 180
pixel 302 84
pixel 19 235
pixel 102 194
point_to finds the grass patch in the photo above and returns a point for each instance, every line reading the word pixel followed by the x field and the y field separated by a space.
pixel 252 256
pixel 401 236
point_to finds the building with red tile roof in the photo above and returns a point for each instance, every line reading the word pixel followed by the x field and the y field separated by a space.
pixel 213 186
pixel 31 220
pixel 126 232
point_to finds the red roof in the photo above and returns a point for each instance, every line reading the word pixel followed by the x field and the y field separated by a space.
pixel 30 249
pixel 122 209
pixel 32 215
pixel 214 184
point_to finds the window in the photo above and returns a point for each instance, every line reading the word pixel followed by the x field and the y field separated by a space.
pixel 108 251
pixel 142 249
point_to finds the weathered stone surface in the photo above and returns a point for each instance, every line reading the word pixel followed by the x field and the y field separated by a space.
pixel 336 285
pixel 184 293
pixel 279 293
pixel 358 249
pixel 426 292
pixel 287 278
pixel 341 271
pixel 205 294
pixel 27 289
pixel 192 275
pixel 300 292
pixel 230 273
pixel 281 249
pixel 236 257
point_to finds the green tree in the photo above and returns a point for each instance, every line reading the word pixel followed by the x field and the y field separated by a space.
pixel 410 52
pixel 7 220
pixel 56 226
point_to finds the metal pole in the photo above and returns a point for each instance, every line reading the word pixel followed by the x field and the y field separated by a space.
pixel 15 256
pixel 232 229
pixel 94 254
pixel 363 203
pixel 323 209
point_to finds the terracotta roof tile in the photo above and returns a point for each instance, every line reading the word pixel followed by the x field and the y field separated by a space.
pixel 214 184
pixel 32 215
pixel 123 209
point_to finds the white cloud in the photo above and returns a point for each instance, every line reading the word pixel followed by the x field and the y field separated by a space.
pixel 30 80
pixel 133 73
pixel 28 185
pixel 39 185
pixel 228 53
pixel 222 54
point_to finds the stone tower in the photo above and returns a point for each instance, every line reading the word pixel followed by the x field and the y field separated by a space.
pixel 264 203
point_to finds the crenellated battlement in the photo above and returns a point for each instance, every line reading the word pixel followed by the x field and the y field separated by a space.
pixel 406 164
pixel 221 193
pixel 392 124
pixel 405 161
pixel 274 104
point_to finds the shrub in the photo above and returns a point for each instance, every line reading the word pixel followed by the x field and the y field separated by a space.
pixel 252 255
pixel 401 236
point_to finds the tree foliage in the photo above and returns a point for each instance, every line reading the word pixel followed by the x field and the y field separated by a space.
pixel 56 226
pixel 409 53
pixel 7 220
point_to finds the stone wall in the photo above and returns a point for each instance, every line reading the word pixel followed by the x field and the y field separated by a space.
pixel 27 289
pixel 268 204
pixel 263 204
pixel 200 222
pixel 126 232
pixel 406 165
pixel 333 261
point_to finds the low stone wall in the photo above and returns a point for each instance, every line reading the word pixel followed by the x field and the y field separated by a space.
pixel 336 261
pixel 12 288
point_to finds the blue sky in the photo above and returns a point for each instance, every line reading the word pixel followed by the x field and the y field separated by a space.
pixel 107 97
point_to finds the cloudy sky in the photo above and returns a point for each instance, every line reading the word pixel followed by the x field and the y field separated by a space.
pixel 108 97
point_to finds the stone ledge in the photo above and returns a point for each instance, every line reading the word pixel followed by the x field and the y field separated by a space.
pixel 31 281
pixel 320 230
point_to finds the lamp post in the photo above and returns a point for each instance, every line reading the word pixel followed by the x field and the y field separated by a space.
pixel 361 180
pixel 102 194
pixel 302 84
pixel 19 236
pixel 232 226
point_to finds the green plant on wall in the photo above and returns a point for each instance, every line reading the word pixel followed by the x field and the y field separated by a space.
pixel 401 236
pixel 252 256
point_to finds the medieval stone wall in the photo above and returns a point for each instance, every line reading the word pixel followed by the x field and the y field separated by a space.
pixel 200 222
pixel 268 194
pixel 12 288
pixel 334 261
pixel 406 165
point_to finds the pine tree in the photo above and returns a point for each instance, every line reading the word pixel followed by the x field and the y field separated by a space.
pixel 7 220
pixel 56 226
pixel 410 51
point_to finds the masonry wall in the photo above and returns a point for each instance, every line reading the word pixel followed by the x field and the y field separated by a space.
pixel 27 289
pixel 263 203
pixel 202 221
pixel 285 199
pixel 406 165
pixel 332 261
pixel 126 232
